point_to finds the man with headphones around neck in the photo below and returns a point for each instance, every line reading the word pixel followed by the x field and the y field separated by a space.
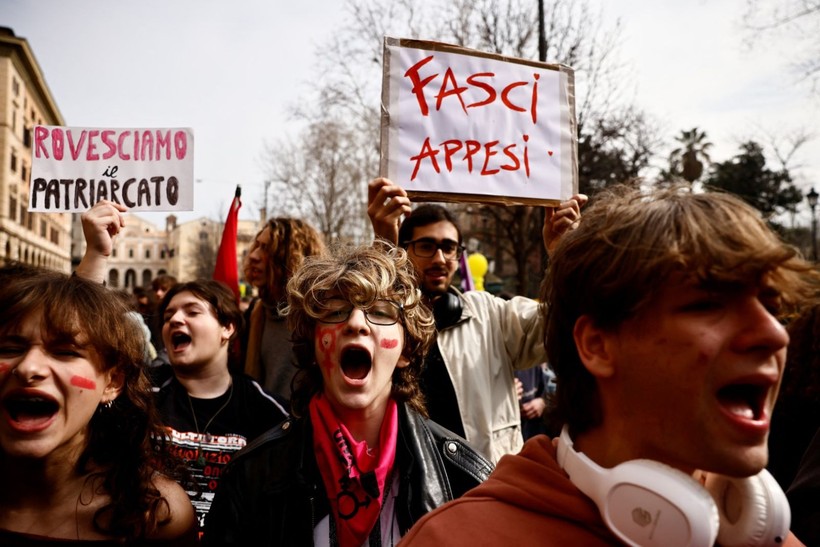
pixel 663 325
pixel 468 380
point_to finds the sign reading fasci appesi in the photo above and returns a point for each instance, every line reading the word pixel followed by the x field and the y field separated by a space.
pixel 463 125
pixel 144 169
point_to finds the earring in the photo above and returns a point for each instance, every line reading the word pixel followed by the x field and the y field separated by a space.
pixel 109 403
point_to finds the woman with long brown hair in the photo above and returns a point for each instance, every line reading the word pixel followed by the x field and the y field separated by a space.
pixel 277 253
pixel 80 442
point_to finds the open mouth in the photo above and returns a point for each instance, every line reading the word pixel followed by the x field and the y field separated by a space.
pixel 356 363
pixel 744 400
pixel 180 340
pixel 30 411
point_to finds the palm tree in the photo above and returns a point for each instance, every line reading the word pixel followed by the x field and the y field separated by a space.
pixel 686 159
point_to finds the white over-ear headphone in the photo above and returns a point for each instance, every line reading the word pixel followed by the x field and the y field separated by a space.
pixel 647 503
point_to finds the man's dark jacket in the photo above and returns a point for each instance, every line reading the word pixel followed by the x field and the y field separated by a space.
pixel 272 493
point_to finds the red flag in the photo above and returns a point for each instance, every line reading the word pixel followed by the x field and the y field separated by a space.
pixel 226 269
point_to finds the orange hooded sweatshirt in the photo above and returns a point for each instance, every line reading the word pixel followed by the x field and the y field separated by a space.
pixel 527 500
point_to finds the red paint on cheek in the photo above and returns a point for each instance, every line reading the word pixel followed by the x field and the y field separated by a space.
pixel 83 383
pixel 4 367
pixel 389 343
pixel 327 344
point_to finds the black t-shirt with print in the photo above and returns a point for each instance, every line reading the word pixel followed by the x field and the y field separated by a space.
pixel 225 424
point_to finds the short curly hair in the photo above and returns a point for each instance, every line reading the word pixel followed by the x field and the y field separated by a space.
pixel 363 275
pixel 291 241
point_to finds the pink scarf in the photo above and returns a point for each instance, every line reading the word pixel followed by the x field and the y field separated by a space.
pixel 354 480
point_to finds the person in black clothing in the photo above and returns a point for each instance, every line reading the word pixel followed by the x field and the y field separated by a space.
pixel 209 413
pixel 360 463
pixel 797 415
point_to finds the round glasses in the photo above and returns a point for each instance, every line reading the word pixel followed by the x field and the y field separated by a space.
pixel 427 247
pixel 380 312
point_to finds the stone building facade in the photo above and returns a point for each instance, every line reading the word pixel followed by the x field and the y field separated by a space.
pixel 41 239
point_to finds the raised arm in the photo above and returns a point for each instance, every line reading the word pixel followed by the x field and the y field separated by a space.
pixel 100 224
pixel 561 219
pixel 386 203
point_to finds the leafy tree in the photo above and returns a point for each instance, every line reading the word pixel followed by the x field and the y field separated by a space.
pixel 616 150
pixel 687 160
pixel 746 176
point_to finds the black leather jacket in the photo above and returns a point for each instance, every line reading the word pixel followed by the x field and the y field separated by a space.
pixel 271 493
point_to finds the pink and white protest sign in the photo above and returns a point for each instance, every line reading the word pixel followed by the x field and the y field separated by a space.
pixel 461 125
pixel 144 169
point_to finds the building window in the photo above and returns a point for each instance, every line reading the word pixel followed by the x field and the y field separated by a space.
pixel 147 254
pixel 12 208
pixel 23 172
pixel 13 160
pixel 114 252
pixel 203 235
pixel 43 228
pixel 130 253
pixel 162 253
pixel 55 236
pixel 113 278
pixel 15 87
pixel 30 222
pixel 23 213
pixel 27 137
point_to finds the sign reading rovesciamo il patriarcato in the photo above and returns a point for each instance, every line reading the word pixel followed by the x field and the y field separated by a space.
pixel 144 169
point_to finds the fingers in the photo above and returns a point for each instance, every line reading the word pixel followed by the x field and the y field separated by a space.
pixel 528 411
pixel 387 202
pixel 380 189
pixel 519 388
pixel 101 223
pixel 568 214
pixel 559 220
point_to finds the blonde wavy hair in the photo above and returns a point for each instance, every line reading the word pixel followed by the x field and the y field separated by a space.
pixel 362 275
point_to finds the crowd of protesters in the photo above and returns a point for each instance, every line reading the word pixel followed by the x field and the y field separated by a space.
pixel 363 399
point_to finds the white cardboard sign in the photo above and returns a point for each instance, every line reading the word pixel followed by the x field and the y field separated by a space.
pixel 460 125
pixel 144 169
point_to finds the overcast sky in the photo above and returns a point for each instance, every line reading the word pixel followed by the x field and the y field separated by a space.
pixel 231 69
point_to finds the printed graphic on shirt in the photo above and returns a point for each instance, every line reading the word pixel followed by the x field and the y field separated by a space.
pixel 206 456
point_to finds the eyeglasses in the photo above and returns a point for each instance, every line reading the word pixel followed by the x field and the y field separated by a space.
pixel 427 247
pixel 381 312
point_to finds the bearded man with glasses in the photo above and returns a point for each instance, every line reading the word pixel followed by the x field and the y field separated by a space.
pixel 468 378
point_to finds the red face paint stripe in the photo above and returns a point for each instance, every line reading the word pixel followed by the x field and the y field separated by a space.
pixel 389 343
pixel 83 383
pixel 4 367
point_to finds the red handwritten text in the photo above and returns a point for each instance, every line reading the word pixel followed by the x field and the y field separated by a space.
pixel 471 149
pixel 481 82
pixel 124 145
